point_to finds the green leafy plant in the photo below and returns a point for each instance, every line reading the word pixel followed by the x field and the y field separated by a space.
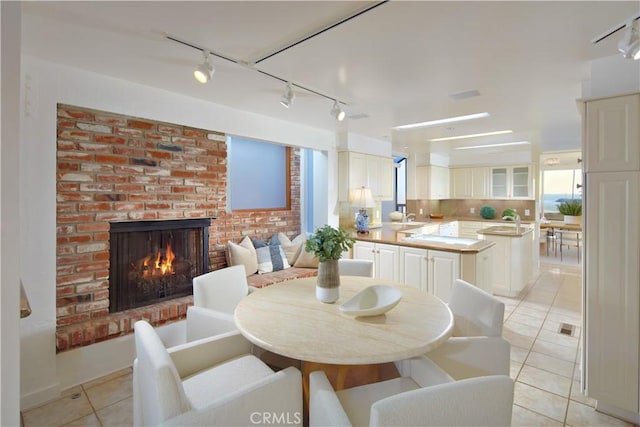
pixel 329 243
pixel 571 207
pixel 488 212
pixel 509 214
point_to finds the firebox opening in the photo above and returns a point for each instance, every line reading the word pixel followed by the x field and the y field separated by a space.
pixel 153 261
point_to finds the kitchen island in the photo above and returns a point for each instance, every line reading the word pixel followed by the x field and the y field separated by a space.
pixel 410 255
pixel 513 251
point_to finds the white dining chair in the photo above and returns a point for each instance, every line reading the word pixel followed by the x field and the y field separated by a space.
pixel 215 296
pixel 477 347
pixel 423 396
pixel 355 267
pixel 212 381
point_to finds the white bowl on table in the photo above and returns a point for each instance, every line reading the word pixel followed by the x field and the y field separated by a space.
pixel 372 301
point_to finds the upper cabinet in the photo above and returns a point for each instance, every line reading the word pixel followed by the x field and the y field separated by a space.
pixel 470 183
pixel 357 170
pixel 512 182
pixel 432 182
pixel 612 128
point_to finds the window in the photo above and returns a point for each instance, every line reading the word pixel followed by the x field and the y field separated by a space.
pixel 258 175
pixel 400 164
pixel 558 185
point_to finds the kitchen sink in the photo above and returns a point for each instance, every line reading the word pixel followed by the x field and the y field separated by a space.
pixel 434 238
pixel 503 229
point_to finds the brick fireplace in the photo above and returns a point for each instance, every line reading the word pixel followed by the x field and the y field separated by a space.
pixel 115 168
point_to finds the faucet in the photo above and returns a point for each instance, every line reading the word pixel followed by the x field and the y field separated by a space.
pixel 410 217
pixel 517 219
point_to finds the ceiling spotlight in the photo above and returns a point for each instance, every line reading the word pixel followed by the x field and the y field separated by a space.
pixel 629 45
pixel 205 70
pixel 337 112
pixel 288 96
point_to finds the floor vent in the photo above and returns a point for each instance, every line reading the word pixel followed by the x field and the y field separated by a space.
pixel 566 329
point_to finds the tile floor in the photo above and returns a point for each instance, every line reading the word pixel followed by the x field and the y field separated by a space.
pixel 544 363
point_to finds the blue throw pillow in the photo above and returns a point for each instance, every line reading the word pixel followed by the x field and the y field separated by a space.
pixel 271 257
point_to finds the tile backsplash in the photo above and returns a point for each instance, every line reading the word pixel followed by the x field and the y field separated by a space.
pixel 462 207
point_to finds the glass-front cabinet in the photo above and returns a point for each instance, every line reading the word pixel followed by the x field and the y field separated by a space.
pixel 512 182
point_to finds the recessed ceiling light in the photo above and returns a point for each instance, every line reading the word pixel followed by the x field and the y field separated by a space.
pixel 503 144
pixel 473 135
pixel 443 121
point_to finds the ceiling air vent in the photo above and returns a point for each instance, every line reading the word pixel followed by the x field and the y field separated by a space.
pixel 358 116
pixel 464 94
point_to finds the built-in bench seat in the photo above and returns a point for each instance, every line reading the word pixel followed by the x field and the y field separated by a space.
pixel 262 280
pixel 279 260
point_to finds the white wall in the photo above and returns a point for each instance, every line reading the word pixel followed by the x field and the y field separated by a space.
pixel 42 372
pixel 612 75
pixel 348 141
pixel 10 16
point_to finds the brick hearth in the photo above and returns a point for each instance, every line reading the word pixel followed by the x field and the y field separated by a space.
pixel 117 168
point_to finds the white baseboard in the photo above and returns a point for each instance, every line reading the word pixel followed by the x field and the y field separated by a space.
pixel 37 398
pixel 614 411
pixel 80 365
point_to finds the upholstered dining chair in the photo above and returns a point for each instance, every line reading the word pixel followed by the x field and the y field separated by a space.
pixel 215 296
pixel 477 347
pixel 355 267
pixel 424 396
pixel 213 381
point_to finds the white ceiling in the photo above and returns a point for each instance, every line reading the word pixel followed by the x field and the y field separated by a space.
pixel 396 64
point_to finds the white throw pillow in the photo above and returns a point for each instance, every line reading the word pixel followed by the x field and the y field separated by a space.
pixel 292 248
pixel 243 254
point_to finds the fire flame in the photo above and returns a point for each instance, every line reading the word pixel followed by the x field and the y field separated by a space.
pixel 161 265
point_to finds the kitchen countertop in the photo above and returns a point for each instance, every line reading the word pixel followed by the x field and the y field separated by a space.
pixel 505 231
pixel 395 236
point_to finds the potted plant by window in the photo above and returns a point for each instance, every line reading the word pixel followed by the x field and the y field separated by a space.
pixel 572 211
pixel 328 244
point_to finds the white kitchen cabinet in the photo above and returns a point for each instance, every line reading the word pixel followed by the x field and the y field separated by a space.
pixel 611 275
pixel 461 183
pixel 432 182
pixel 435 271
pixel 612 130
pixel 356 170
pixel 443 269
pixel 469 229
pixel 512 263
pixel 413 267
pixel 477 269
pixel 385 258
pixel 480 183
pixel 612 288
pixel 512 182
pixel 469 183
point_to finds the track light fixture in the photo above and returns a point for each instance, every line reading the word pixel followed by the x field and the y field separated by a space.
pixel 288 96
pixel 629 45
pixel 204 71
pixel 337 111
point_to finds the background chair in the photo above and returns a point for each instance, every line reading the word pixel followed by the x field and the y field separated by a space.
pixel 213 381
pixel 570 238
pixel 477 347
pixel 355 267
pixel 215 296
pixel 424 396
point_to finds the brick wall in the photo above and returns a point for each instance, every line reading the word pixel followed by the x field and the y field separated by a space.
pixel 117 168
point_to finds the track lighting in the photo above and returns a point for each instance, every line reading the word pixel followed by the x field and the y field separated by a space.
pixel 288 96
pixel 337 112
pixel 629 45
pixel 204 71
